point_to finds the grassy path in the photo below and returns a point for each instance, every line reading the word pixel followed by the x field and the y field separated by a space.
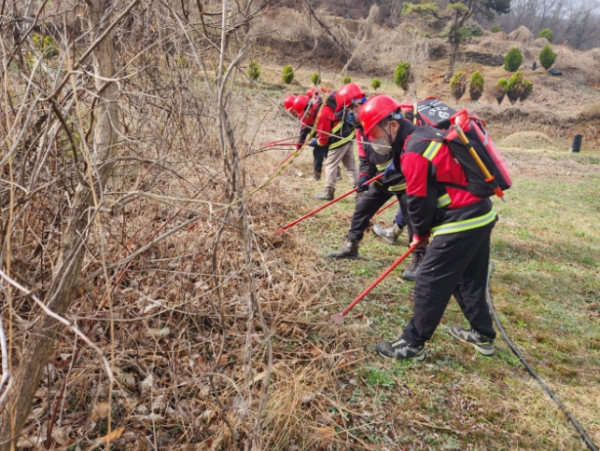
pixel 546 289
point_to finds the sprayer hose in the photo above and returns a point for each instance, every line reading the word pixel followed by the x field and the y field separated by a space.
pixel 585 437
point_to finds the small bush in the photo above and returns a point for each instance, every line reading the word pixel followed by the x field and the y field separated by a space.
pixel 547 57
pixel 499 90
pixel 376 84
pixel 527 90
pixel 316 79
pixel 513 60
pixel 38 42
pixel 458 85
pixel 401 75
pixel 514 88
pixel 46 46
pixel 546 33
pixel 347 79
pixel 253 70
pixel 470 31
pixel 465 33
pixel 287 74
pixel 476 86
pixel 496 29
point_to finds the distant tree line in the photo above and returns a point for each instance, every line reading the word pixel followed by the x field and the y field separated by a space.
pixel 574 21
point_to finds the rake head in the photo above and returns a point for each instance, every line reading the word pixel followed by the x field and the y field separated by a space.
pixel 338 319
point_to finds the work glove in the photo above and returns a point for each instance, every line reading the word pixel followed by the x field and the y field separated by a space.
pixel 390 171
pixel 361 183
pixel 313 143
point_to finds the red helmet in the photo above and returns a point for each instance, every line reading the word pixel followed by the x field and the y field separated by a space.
pixel 288 103
pixel 300 104
pixel 311 92
pixel 376 109
pixel 347 94
pixel 407 106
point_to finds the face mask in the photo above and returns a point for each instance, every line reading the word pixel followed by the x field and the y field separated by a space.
pixel 381 146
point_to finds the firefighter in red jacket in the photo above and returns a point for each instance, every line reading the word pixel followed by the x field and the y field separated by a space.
pixel 335 129
pixel 459 222
pixel 374 197
pixel 307 108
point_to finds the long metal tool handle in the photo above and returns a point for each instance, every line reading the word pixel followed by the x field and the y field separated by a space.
pixel 316 210
pixel 484 170
pixel 285 160
pixel 361 296
pixel 382 209
pixel 270 143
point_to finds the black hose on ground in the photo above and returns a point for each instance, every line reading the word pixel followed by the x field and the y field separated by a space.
pixel 585 437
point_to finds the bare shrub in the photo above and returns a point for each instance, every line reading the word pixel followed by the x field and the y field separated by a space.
pixel 522 35
pixel 126 220
pixel 366 29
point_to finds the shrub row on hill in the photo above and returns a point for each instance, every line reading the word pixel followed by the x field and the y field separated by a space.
pixel 514 59
pixel 401 76
pixel 515 88
pixel 458 85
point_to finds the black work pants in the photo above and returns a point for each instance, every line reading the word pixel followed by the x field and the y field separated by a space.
pixel 319 152
pixel 304 132
pixel 366 207
pixel 319 155
pixel 455 264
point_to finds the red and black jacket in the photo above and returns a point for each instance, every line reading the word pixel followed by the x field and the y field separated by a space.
pixel 308 120
pixel 332 128
pixel 435 185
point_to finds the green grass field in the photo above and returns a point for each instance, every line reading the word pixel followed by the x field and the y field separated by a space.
pixel 546 290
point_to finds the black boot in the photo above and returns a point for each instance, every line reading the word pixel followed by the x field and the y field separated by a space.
pixel 348 250
pixel 327 195
pixel 411 272
pixel 390 235
pixel 316 177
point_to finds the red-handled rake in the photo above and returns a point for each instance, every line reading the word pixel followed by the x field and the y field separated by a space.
pixel 316 210
pixel 382 209
pixel 339 317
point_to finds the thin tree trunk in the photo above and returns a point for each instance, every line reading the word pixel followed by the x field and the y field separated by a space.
pixel 454 39
pixel 39 346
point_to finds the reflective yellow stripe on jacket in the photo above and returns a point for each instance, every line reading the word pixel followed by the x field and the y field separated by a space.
pixel 444 201
pixel 467 224
pixel 432 150
pixel 396 188
pixel 342 141
pixel 393 189
pixel 383 166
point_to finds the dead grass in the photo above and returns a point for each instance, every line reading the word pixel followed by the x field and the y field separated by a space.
pixel 591 112
pixel 529 140
pixel 522 35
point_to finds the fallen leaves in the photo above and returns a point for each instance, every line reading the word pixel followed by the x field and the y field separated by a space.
pixel 100 411
pixel 326 436
pixel 112 436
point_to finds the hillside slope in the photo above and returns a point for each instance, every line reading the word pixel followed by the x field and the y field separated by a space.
pixel 559 106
